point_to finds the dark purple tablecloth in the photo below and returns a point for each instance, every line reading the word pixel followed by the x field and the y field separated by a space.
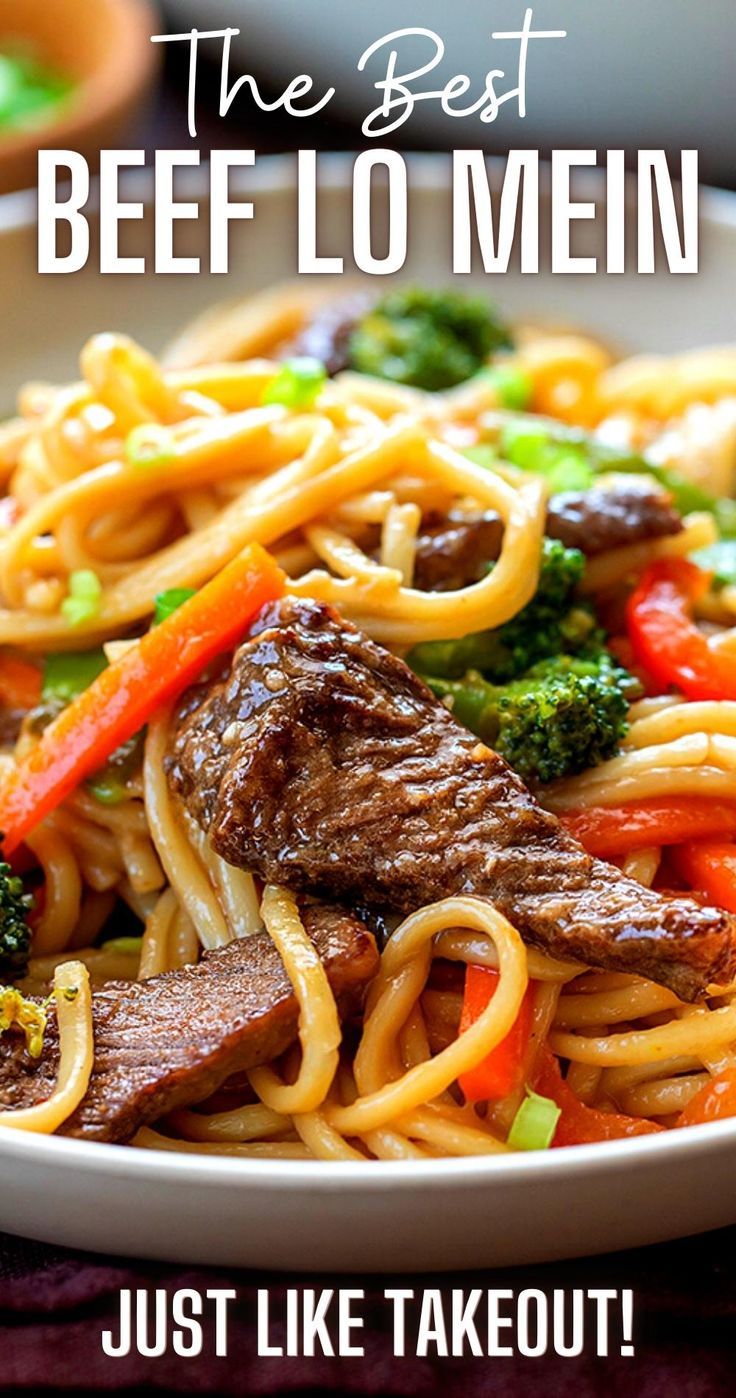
pixel 54 1306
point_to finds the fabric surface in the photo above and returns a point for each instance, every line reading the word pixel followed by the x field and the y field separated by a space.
pixel 55 1304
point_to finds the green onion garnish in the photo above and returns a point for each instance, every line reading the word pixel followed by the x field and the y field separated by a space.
pixel 30 93
pixel 298 383
pixel 720 560
pixel 563 464
pixel 535 1123
pixel 124 946
pixel 166 603
pixel 83 600
pixel 108 790
pixel 513 385
pixel 150 444
pixel 70 672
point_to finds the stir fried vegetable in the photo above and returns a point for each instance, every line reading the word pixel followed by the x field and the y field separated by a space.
pixel 565 715
pixel 667 641
pixel 298 384
pixel 503 1068
pixel 709 867
pixel 30 91
pixel 611 831
pixel 15 933
pixel 429 339
pixel 20 683
pixel 535 1123
pixel 121 699
pixel 70 672
pixel 554 622
pixel 714 1102
pixel 16 1012
pixel 578 1123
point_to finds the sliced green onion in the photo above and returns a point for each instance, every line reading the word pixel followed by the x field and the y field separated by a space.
pixel 298 383
pixel 166 603
pixel 109 785
pixel 484 454
pixel 83 600
pixel 124 946
pixel 720 560
pixel 150 444
pixel 513 385
pixel 109 790
pixel 564 465
pixel 535 1123
pixel 70 672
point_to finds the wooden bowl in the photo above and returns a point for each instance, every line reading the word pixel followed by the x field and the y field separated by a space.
pixel 102 44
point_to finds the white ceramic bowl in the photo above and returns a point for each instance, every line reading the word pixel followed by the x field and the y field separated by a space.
pixel 382 1216
pixel 637 73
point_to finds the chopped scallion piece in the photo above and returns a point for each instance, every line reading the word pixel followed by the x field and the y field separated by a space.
pixel 109 790
pixel 83 600
pixel 170 601
pixel 150 444
pixel 123 946
pixel 484 454
pixel 513 385
pixel 720 560
pixel 535 1123
pixel 564 465
pixel 298 383
pixel 70 672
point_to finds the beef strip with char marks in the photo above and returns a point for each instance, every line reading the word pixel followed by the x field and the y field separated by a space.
pixel 322 762
pixel 171 1041
pixel 454 550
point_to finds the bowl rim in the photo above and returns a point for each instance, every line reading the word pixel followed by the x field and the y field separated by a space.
pixel 274 174
pixel 153 1166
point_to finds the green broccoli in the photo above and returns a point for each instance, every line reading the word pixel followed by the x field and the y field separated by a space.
pixel 15 934
pixel 430 339
pixel 566 714
pixel 16 1012
pixel 552 622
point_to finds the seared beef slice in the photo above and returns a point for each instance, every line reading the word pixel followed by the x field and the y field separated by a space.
pixel 170 1041
pixel 455 549
pixel 322 762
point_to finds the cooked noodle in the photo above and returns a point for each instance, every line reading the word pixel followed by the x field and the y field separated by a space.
pixel 338 492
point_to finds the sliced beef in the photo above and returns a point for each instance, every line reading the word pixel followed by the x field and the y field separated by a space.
pixel 610 517
pixel 323 762
pixel 327 335
pixel 170 1041
pixel 454 550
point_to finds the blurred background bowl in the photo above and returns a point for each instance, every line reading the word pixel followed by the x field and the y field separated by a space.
pixel 104 47
pixel 631 73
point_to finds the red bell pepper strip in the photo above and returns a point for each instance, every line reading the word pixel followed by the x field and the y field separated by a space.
pixel 578 1123
pixel 714 1102
pixel 502 1069
pixel 665 639
pixel 20 683
pixel 123 697
pixel 610 831
pixel 709 867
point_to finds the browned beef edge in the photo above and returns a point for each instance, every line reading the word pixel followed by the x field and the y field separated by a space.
pixel 172 1040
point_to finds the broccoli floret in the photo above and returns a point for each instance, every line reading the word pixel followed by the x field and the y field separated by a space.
pixel 566 714
pixel 15 934
pixel 552 622
pixel 27 1015
pixel 429 339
